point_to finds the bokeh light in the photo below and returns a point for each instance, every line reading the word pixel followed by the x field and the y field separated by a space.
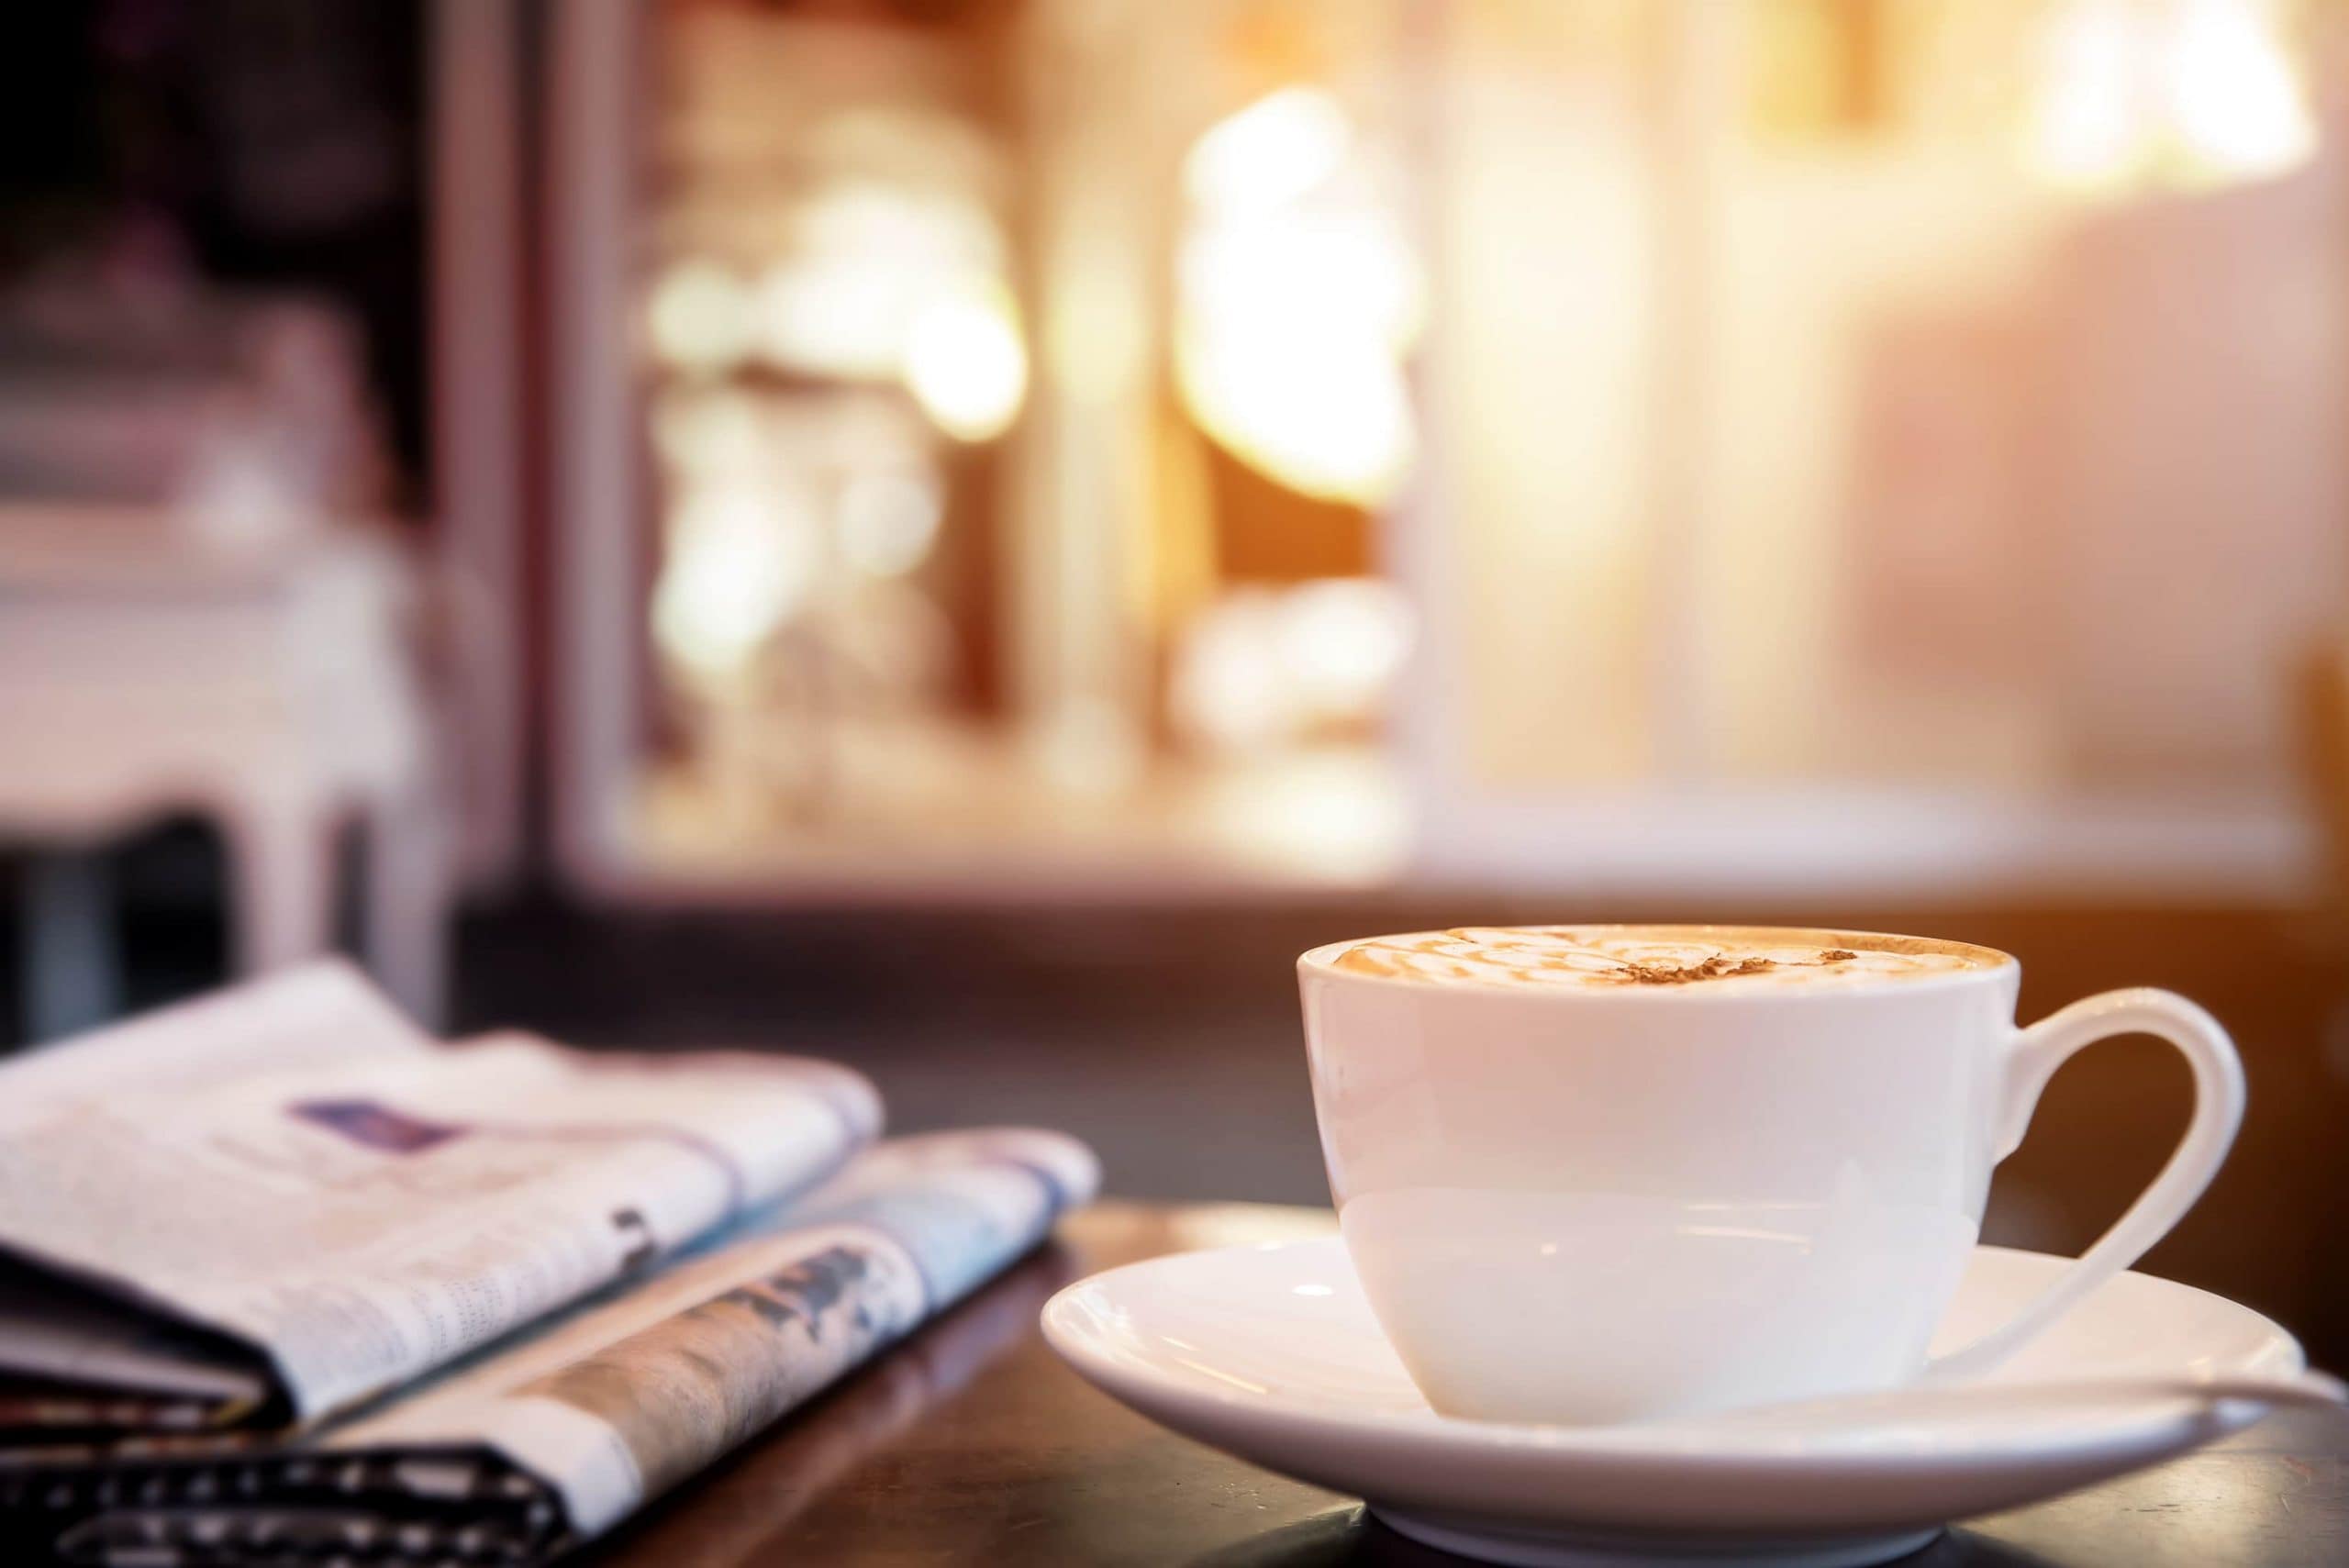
pixel 2236 106
pixel 2192 93
pixel 1297 298
pixel 739 563
pixel 701 432
pixel 888 522
pixel 1274 152
pixel 1343 641
pixel 964 363
pixel 699 317
pixel 1264 667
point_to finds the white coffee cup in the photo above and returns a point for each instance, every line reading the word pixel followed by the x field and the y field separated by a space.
pixel 1581 1204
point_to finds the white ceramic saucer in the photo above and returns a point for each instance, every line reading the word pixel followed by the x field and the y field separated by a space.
pixel 1271 1354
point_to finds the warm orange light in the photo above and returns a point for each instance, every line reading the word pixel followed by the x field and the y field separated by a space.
pixel 1297 299
pixel 965 362
pixel 2236 107
pixel 2192 93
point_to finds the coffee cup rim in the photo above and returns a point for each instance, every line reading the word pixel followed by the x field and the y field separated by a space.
pixel 1321 962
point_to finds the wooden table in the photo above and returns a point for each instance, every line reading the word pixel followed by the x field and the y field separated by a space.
pixel 973 1444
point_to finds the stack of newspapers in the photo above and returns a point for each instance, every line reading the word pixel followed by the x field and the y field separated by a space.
pixel 283 1279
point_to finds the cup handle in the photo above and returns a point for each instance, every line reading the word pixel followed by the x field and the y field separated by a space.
pixel 2031 1058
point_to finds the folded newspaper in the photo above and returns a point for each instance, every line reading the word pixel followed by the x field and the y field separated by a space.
pixel 283 1279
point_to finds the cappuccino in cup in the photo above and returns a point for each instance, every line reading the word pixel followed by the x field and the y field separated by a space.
pixel 1603 1174
pixel 1612 957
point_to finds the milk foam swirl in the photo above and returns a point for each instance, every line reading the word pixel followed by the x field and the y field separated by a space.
pixel 1608 958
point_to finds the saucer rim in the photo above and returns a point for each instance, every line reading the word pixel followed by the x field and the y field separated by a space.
pixel 2159 1426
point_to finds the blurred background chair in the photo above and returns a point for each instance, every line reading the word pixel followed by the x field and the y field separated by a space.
pixel 203 616
pixel 145 674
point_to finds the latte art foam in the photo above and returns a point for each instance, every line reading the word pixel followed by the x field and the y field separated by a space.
pixel 1613 958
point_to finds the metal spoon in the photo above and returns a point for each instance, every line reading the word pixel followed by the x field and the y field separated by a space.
pixel 1928 1401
